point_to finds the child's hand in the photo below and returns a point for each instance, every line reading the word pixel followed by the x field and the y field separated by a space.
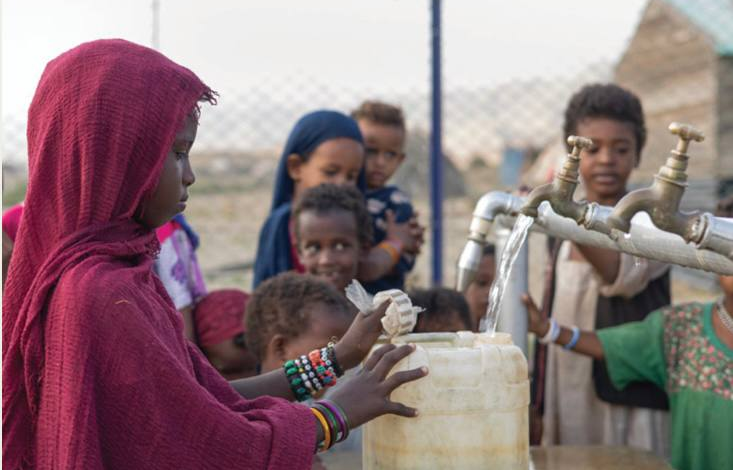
pixel 409 234
pixel 537 324
pixel 399 232
pixel 360 337
pixel 366 396
pixel 418 233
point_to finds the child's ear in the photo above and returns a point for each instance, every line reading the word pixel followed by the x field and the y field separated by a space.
pixel 277 348
pixel 294 165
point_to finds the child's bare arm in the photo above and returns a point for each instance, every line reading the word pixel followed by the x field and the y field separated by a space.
pixel 587 343
pixel 350 351
pixel 375 264
pixel 379 260
pixel 605 262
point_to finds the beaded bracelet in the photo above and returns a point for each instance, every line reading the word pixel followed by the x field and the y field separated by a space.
pixel 309 370
pixel 309 374
pixel 328 355
pixel 295 379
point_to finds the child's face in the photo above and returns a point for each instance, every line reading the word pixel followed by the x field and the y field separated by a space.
pixel 169 196
pixel 384 150
pixel 605 168
pixel 231 360
pixel 477 294
pixel 324 324
pixel 336 161
pixel 328 245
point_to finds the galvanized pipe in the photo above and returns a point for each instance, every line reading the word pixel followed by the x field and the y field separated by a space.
pixel 644 240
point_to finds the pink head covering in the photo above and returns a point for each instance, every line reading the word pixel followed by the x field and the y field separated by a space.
pixel 96 372
pixel 220 316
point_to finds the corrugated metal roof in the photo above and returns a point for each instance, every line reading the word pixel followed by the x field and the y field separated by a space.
pixel 713 17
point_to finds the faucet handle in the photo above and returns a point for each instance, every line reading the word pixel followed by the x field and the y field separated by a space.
pixel 686 133
pixel 579 143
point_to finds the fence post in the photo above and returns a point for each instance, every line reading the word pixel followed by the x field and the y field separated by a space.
pixel 436 151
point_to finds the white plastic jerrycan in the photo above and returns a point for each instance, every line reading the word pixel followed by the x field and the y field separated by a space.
pixel 473 407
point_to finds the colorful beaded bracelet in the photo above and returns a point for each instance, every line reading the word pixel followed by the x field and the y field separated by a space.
pixel 328 355
pixel 309 374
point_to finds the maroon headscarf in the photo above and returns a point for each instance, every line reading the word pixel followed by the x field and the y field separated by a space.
pixel 220 316
pixel 96 371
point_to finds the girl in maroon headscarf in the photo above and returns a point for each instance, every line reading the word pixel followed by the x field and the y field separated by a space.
pixel 96 371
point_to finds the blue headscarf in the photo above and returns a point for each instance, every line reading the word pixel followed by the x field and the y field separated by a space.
pixel 273 251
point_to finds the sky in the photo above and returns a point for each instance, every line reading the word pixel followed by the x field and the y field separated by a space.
pixel 239 45
pixel 271 61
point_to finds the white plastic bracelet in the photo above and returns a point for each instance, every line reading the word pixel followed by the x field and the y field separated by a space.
pixel 552 333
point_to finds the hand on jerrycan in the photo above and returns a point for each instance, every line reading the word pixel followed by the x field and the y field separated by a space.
pixel 366 395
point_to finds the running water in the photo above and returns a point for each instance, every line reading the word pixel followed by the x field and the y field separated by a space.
pixel 508 257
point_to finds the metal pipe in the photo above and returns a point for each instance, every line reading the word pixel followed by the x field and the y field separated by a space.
pixel 714 251
pixel 436 151
pixel 644 239
pixel 490 204
pixel 513 313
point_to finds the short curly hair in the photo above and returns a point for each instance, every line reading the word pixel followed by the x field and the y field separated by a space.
pixel 380 112
pixel 606 101
pixel 282 305
pixel 439 303
pixel 329 197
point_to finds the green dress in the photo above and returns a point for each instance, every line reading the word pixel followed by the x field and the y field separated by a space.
pixel 677 349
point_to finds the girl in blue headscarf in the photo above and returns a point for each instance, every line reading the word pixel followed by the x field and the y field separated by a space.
pixel 323 147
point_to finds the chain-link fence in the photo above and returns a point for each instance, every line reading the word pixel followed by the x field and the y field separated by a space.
pixel 678 59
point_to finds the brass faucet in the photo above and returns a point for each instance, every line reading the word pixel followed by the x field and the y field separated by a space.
pixel 560 192
pixel 662 199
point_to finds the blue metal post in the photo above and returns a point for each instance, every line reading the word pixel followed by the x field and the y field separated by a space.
pixel 436 152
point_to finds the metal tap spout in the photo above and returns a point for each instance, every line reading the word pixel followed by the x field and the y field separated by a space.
pixel 560 192
pixel 662 199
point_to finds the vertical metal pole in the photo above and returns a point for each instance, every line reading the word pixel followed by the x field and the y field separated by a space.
pixel 156 25
pixel 436 151
pixel 513 313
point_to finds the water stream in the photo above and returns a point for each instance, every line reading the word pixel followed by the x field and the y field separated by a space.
pixel 508 257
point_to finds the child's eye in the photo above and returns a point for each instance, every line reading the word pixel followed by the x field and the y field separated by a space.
pixel 352 176
pixel 341 246
pixel 370 152
pixel 330 172
pixel 181 155
pixel 310 250
pixel 390 155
